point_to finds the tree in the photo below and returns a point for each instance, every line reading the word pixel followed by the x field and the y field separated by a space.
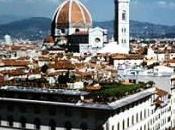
pixel 150 83
pixel 44 68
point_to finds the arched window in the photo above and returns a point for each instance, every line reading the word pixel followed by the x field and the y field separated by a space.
pixel 128 122
pixel 144 113
pixel 112 127
pixel 23 122
pixel 123 124
pixel 37 123
pixel 124 15
pixel 140 128
pixel 52 124
pixel 141 115
pixel 68 125
pixel 133 120
pixel 144 127
pixel 97 40
pixel 137 117
pixel 10 121
pixel 118 126
pixel 84 126
pixel 77 30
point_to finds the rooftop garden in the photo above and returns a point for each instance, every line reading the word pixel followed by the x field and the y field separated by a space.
pixel 112 92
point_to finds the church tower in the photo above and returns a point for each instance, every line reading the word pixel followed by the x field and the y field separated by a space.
pixel 121 25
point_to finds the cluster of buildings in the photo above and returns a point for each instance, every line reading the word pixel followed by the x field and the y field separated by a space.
pixel 73 81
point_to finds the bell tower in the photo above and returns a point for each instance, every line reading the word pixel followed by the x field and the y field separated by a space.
pixel 121 24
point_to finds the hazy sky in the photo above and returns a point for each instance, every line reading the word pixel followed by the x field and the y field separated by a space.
pixel 155 11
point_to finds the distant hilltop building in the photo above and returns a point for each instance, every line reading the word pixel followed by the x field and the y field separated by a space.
pixel 8 39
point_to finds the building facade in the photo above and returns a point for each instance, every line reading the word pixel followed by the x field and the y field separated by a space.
pixel 173 101
pixel 51 111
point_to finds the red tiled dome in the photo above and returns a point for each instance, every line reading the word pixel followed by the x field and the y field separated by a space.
pixel 72 13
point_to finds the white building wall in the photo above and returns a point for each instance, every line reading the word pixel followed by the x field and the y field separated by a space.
pixel 139 113
pixel 96 38
pixel 127 62
pixel 173 104
pixel 143 116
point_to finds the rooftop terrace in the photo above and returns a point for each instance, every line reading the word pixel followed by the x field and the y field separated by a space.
pixel 106 94
pixel 69 98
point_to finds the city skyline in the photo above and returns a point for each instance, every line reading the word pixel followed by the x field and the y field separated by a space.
pixel 154 11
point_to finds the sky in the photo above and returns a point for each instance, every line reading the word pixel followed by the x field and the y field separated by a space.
pixel 154 11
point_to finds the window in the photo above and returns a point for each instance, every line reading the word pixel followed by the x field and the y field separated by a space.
pixel 141 115
pixel 128 122
pixel 23 122
pixel 137 117
pixel 169 119
pixel 107 126
pixel 52 125
pixel 132 120
pixel 68 125
pixel 125 41
pixel 118 126
pixel 123 124
pixel 144 113
pixel 97 40
pixel 77 30
pixel 124 15
pixel 124 29
pixel 37 124
pixel 112 127
pixel 63 31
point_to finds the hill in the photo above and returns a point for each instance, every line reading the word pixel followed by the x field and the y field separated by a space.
pixel 32 28
pixel 39 27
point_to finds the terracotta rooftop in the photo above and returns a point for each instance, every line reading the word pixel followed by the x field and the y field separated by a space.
pixel 62 64
pixel 127 57
pixel 17 72
pixel 13 62
pixel 161 93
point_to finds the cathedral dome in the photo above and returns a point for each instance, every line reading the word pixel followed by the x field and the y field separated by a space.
pixel 73 14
